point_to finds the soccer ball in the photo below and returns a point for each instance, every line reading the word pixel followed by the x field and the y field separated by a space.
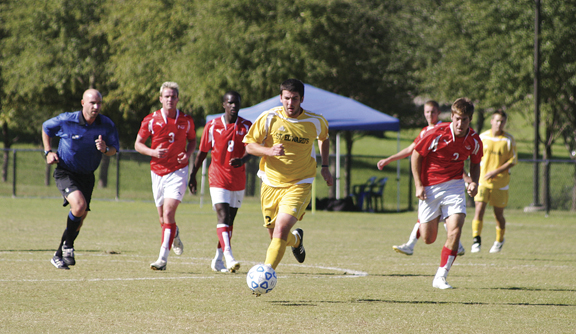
pixel 261 279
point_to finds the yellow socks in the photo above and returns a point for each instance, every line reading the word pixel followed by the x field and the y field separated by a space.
pixel 292 242
pixel 276 251
pixel 477 228
pixel 500 234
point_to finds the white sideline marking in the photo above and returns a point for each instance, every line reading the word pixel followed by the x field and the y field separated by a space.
pixel 347 273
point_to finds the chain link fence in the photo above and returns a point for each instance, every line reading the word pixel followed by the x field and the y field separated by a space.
pixel 25 174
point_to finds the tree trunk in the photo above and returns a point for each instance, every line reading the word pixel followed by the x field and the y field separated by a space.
pixel 480 120
pixel 104 164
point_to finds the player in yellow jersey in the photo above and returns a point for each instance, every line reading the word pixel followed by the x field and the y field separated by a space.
pixel 284 137
pixel 499 156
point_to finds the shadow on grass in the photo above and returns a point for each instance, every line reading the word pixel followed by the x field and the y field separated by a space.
pixel 416 302
pixel 53 249
pixel 513 288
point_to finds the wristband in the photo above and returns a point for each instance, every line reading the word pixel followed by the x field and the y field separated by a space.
pixel 46 153
pixel 324 166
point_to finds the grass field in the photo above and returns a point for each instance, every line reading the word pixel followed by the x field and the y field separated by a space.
pixel 351 282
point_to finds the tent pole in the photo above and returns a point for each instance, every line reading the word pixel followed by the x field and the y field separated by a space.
pixel 397 175
pixel 338 165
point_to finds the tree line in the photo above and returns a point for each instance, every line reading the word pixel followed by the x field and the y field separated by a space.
pixel 385 54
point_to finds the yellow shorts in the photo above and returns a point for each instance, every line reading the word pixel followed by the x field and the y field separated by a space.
pixel 496 197
pixel 292 200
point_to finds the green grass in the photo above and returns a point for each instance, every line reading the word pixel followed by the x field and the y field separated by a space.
pixel 351 282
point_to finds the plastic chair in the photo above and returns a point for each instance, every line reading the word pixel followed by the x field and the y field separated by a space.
pixel 362 194
pixel 377 193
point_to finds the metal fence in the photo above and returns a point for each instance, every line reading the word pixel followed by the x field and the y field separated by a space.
pixel 129 179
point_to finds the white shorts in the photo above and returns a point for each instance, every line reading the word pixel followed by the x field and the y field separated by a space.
pixel 233 198
pixel 171 185
pixel 444 199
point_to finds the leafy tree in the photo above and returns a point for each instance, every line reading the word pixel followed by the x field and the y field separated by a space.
pixel 342 46
pixel 484 50
pixel 145 38
pixel 53 51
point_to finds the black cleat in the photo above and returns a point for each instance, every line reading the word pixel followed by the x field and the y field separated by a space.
pixel 299 252
pixel 59 263
pixel 68 255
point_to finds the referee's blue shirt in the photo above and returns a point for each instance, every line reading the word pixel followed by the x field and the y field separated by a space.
pixel 77 148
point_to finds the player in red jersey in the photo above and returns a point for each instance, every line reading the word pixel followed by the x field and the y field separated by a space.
pixel 227 174
pixel 438 165
pixel 431 113
pixel 173 143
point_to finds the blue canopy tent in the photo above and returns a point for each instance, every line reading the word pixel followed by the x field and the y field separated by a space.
pixel 342 113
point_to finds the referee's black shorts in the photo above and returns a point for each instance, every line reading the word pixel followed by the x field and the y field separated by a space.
pixel 68 181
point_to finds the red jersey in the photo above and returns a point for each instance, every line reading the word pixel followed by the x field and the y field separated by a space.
pixel 171 133
pixel 225 141
pixel 444 153
pixel 424 129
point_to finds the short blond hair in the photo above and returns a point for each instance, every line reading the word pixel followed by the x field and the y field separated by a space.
pixel 170 85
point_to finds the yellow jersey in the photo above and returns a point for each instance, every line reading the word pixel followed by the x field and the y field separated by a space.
pixel 298 135
pixel 498 150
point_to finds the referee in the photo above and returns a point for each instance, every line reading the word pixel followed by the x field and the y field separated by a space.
pixel 84 136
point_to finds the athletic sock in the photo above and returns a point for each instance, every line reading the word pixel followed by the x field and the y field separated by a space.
pixel 223 232
pixel 477 227
pixel 275 252
pixel 168 233
pixel 415 235
pixel 292 241
pixel 446 260
pixel 219 254
pixel 72 225
pixel 500 234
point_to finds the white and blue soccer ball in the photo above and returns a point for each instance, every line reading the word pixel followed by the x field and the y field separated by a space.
pixel 261 279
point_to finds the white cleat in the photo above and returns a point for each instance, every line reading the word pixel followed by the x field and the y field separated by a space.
pixel 158 265
pixel 177 245
pixel 475 248
pixel 461 249
pixel 440 283
pixel 233 266
pixel 218 265
pixel 497 247
pixel 404 249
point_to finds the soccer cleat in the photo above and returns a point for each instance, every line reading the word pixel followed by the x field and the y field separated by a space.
pixel 68 255
pixel 299 252
pixel 477 244
pixel 440 283
pixel 404 249
pixel 461 249
pixel 475 248
pixel 158 265
pixel 59 263
pixel 233 266
pixel 177 245
pixel 497 247
pixel 218 265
